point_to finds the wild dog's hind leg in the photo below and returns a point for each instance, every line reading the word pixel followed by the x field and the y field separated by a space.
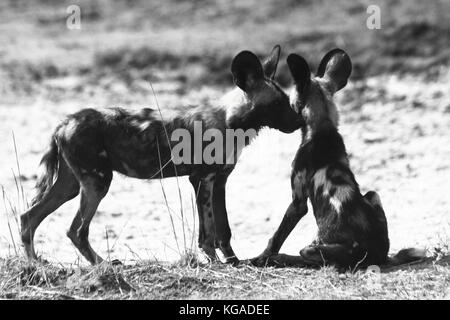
pixel 65 188
pixel 222 227
pixel 203 188
pixel 373 198
pixel 93 188
pixel 380 241
pixel 348 255
pixel 339 255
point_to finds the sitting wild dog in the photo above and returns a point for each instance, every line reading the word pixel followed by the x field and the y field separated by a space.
pixel 352 228
pixel 89 145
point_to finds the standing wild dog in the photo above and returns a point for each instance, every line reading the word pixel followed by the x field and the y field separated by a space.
pixel 89 145
pixel 352 228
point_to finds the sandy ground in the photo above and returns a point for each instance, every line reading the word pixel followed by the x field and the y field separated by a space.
pixel 398 141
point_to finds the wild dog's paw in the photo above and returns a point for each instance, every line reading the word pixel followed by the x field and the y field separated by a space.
pixel 312 253
pixel 234 261
pixel 116 262
pixel 41 260
pixel 268 260
pixel 261 261
pixel 209 253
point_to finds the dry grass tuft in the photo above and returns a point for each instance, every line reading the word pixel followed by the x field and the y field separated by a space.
pixel 20 279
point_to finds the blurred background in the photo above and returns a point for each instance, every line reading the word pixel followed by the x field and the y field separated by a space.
pixel 191 43
pixel 395 112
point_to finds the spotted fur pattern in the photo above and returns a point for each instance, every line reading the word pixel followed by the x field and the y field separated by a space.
pixel 352 228
pixel 88 146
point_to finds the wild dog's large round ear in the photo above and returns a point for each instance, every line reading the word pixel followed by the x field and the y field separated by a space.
pixel 271 62
pixel 335 67
pixel 300 71
pixel 247 70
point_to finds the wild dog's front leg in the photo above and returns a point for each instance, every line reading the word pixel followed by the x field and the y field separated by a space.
pixel 296 210
pixel 223 231
pixel 293 214
pixel 203 188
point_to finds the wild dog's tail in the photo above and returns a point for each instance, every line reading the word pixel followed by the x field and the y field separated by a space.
pixel 406 256
pixel 49 162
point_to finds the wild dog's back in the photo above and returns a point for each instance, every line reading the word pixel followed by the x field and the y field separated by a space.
pixel 91 144
pixel 342 214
